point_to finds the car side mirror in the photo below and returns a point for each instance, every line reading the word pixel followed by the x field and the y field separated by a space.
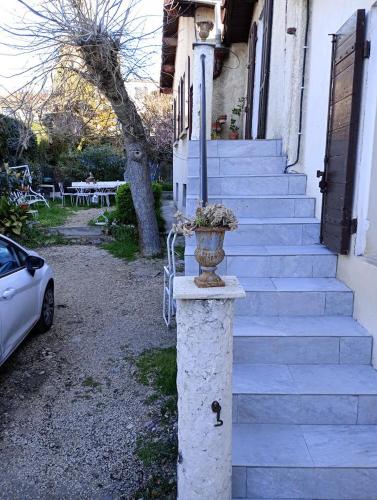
pixel 33 263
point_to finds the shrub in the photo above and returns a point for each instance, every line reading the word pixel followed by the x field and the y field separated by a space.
pixel 17 141
pixel 13 218
pixel 105 163
pixel 125 211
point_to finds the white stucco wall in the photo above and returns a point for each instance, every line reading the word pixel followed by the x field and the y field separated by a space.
pixel 230 86
pixel 186 38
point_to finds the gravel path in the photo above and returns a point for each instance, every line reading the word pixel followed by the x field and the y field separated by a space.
pixel 70 408
pixel 82 217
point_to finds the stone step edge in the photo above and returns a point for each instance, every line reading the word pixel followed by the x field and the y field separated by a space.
pixel 239 251
pixel 265 221
pixel 282 175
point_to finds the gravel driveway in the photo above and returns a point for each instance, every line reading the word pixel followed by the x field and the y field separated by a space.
pixel 70 408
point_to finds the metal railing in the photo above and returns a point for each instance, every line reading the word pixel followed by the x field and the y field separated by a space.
pixel 203 136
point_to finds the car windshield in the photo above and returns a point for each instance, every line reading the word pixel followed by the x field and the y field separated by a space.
pixel 8 258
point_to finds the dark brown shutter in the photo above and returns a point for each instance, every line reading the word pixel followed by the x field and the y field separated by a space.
pixel 265 68
pixel 342 133
pixel 179 111
pixel 188 90
pixel 190 110
pixel 250 80
pixel 175 120
pixel 182 106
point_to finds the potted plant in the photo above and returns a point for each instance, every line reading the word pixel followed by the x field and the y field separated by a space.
pixel 209 225
pixel 234 121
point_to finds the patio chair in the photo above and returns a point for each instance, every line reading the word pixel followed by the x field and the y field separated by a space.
pixel 83 196
pixel 30 196
pixel 63 194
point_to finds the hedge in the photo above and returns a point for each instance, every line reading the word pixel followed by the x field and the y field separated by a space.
pixel 125 211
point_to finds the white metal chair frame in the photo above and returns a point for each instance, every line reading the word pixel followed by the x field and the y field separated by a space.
pixel 63 194
pixel 28 197
pixel 169 306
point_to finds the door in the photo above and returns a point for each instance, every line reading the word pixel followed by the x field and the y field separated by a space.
pixel 337 184
pixel 265 68
pixel 251 80
pixel 18 297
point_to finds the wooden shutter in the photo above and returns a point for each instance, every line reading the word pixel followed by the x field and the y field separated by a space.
pixel 265 68
pixel 342 133
pixel 191 110
pixel 179 111
pixel 250 80
pixel 190 89
pixel 187 94
pixel 175 120
pixel 183 106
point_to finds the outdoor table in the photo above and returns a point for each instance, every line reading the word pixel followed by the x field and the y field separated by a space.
pixel 99 187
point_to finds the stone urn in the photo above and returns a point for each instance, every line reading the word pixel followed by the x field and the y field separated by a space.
pixel 209 253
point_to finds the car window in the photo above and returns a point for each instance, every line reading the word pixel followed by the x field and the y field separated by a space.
pixel 21 255
pixel 9 260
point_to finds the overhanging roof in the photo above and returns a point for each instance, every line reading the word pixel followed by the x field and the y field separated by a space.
pixel 236 17
pixel 173 10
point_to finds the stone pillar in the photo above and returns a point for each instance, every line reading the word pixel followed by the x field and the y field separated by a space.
pixel 204 358
pixel 208 50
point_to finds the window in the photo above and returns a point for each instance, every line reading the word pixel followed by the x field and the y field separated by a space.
pixel 184 195
pixel 9 260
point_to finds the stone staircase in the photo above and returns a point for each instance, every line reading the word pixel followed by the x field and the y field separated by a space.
pixel 305 393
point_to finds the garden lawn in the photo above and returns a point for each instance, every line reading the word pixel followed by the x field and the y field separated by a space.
pixel 56 215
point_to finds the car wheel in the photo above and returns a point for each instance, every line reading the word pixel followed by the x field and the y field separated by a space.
pixel 47 314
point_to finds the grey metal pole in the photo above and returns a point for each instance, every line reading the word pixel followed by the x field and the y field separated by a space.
pixel 203 135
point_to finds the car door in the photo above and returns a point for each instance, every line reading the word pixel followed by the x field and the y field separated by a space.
pixel 18 297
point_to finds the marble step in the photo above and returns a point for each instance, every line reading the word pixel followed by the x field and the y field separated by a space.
pixel 294 297
pixel 288 205
pixel 237 149
pixel 239 185
pixel 239 166
pixel 272 231
pixel 305 461
pixel 305 394
pixel 300 340
pixel 305 261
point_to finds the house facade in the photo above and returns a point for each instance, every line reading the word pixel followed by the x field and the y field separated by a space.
pixel 297 79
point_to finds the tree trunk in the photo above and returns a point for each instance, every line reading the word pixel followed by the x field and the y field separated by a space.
pixel 102 62
pixel 138 175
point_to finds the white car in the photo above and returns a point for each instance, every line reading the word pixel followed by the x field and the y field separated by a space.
pixel 26 295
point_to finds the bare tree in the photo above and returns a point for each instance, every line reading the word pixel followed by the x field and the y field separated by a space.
pixel 104 42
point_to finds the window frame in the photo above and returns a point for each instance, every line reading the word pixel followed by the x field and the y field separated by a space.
pixel 16 249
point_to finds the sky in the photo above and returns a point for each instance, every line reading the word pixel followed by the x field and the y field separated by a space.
pixel 12 63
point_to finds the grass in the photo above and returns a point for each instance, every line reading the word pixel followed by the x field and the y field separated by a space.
pixel 90 382
pixel 56 215
pixel 34 237
pixel 151 452
pixel 124 245
pixel 180 251
pixel 158 368
pixel 158 451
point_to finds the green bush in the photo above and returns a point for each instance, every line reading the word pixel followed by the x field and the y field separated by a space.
pixel 105 163
pixel 125 211
pixel 13 218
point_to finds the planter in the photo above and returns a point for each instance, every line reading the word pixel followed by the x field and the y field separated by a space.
pixel 209 253
pixel 233 135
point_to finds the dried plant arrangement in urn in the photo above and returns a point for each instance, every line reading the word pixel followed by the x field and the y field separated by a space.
pixel 209 225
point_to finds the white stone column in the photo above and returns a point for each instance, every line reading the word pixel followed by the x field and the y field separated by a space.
pixel 204 358
pixel 208 50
